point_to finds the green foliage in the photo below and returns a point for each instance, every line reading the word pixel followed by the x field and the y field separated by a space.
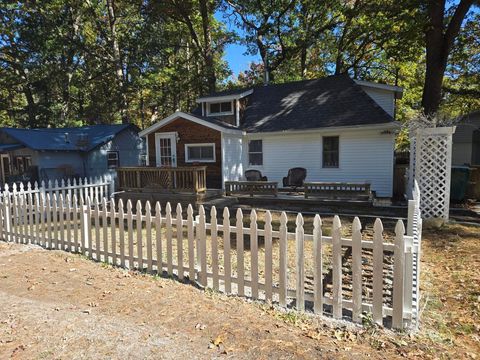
pixel 59 65
pixel 75 62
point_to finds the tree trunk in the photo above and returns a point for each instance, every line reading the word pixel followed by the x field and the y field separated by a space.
pixel 207 47
pixel 118 61
pixel 439 39
pixel 30 106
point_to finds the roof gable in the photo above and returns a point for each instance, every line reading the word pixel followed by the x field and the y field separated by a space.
pixel 210 122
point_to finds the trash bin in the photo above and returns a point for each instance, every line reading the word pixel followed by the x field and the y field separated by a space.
pixel 459 183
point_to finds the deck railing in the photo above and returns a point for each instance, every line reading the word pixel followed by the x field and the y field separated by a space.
pixel 191 178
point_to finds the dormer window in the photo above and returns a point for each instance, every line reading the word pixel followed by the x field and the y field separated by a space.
pixel 220 108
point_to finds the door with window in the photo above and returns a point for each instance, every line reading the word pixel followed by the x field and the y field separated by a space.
pixel 166 150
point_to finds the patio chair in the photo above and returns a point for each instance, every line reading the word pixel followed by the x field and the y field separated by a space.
pixel 255 175
pixel 295 178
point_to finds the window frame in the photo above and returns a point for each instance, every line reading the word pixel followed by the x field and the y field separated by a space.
pixel 188 160
pixel 210 113
pixel 254 152
pixel 109 152
pixel 22 163
pixel 338 152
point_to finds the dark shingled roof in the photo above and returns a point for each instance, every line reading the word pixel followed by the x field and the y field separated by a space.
pixel 83 138
pixel 332 101
pixel 328 102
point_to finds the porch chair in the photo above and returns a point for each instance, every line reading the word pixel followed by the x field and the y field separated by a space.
pixel 295 178
pixel 255 175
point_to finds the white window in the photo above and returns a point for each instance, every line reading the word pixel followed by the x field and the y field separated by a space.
pixel 220 108
pixel 255 152
pixel 200 152
pixel 112 159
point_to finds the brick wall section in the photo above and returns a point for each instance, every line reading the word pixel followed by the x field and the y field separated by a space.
pixel 192 133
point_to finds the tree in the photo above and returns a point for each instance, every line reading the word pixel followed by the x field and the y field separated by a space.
pixel 443 27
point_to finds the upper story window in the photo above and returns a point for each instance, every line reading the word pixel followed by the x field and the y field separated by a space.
pixel 220 108
pixel 330 151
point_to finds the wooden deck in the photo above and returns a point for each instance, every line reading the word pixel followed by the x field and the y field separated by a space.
pixel 191 179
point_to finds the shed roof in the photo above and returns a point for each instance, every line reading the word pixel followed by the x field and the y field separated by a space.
pixel 83 138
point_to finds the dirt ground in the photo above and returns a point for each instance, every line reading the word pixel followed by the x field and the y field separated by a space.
pixel 56 305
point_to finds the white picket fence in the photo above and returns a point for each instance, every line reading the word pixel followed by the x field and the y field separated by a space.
pixel 94 188
pixel 289 269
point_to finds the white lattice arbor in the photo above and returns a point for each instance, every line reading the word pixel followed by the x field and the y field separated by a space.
pixel 430 165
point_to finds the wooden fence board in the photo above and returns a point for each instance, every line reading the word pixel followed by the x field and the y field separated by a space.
pixel 168 235
pixel 214 240
pixel 240 263
pixel 300 263
pixel 254 253
pixel 226 250
pixel 148 235
pixel 318 265
pixel 377 271
pixel 337 268
pixel 357 270
pixel 179 235
pixel 268 257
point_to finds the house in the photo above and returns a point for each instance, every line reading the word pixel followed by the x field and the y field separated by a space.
pixel 466 140
pixel 49 154
pixel 339 129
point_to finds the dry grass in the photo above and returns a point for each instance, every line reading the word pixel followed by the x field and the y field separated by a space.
pixel 38 282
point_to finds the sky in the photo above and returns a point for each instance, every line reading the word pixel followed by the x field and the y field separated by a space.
pixel 235 53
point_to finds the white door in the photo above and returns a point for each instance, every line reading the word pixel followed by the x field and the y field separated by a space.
pixel 166 149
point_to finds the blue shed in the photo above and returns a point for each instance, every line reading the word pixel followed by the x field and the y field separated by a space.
pixel 49 154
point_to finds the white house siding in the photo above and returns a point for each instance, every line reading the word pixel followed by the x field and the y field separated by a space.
pixel 129 147
pixel 365 156
pixel 384 98
pixel 232 157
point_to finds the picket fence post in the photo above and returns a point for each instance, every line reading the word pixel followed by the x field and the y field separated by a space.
pixel 121 231
pixel 357 270
pixel 202 236
pixel 337 268
pixel 282 293
pixel 318 265
pixel 148 232
pixel 179 234
pixel 300 262
pixel 398 275
pixel 268 256
pixel 378 271
pixel 168 234
pixel 158 237
pixel 84 223
pixel 254 253
pixel 138 219
pixel 191 243
pixel 240 263
pixel 7 215
pixel 226 250
pixel 214 239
